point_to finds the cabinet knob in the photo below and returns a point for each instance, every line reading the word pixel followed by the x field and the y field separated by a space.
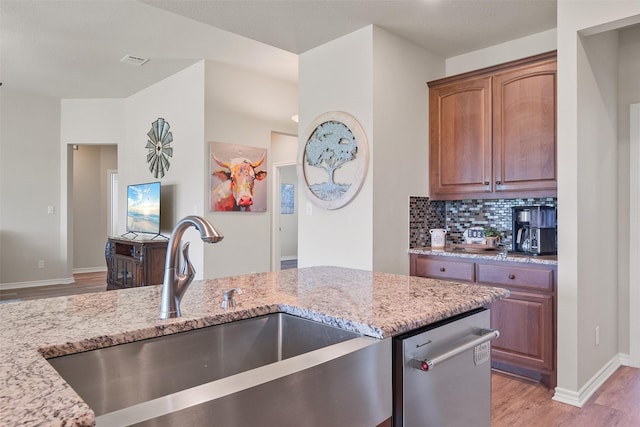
pixel 512 276
pixel 498 182
pixel 443 269
pixel 486 183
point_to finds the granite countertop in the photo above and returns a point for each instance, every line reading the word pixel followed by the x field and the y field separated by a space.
pixel 375 304
pixel 490 254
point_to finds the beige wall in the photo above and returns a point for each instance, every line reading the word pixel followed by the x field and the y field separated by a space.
pixel 401 151
pixel 30 183
pixel 628 93
pixel 243 107
pixel 597 81
pixel 338 76
pixel 384 88
pixel 587 121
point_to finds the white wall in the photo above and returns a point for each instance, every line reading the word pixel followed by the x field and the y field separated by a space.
pixel 179 100
pixel 579 297
pixel 244 108
pixel 534 44
pixel 338 76
pixel 400 162
pixel 92 121
pixel 29 184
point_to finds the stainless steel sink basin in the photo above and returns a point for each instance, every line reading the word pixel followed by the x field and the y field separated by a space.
pixel 272 370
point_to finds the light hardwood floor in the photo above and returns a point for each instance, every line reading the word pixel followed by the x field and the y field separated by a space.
pixel 518 402
pixel 515 402
pixel 83 283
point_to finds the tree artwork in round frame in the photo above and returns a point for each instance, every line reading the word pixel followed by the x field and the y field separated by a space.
pixel 333 163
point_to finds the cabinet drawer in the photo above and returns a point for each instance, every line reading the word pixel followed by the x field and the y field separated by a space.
pixel 521 277
pixel 445 269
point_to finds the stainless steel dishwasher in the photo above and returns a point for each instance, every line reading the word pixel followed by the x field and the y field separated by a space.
pixel 442 373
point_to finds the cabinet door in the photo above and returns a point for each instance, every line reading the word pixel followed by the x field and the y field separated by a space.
pixel 525 322
pixel 460 138
pixel 524 129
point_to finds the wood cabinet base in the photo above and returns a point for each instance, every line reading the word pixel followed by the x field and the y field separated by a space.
pixel 526 320
pixel 132 263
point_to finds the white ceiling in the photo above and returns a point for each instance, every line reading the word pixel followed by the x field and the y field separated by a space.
pixel 72 48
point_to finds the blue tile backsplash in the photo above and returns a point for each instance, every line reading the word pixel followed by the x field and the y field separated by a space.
pixel 456 216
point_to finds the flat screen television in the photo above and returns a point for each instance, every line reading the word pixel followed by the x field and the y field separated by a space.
pixel 143 208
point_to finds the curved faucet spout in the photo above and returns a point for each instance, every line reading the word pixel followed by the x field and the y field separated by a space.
pixel 175 284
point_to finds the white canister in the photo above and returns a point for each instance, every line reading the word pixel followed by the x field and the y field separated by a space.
pixel 438 237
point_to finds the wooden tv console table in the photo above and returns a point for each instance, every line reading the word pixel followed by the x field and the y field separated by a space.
pixel 135 262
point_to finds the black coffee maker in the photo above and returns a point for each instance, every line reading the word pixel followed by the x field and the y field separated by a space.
pixel 534 230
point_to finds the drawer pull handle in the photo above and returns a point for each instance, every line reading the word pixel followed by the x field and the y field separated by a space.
pixel 486 183
pixel 443 269
pixel 512 276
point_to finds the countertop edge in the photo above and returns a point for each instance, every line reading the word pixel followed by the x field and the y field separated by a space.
pixel 491 255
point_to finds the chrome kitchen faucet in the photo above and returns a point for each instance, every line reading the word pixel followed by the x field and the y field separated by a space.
pixel 175 285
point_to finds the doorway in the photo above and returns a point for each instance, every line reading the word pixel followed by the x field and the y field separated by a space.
pixel 285 217
pixel 92 173
pixel 112 208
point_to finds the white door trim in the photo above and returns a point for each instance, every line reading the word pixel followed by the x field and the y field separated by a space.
pixel 634 237
pixel 112 202
pixel 275 216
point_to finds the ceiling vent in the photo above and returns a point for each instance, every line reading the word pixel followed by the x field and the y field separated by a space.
pixel 133 60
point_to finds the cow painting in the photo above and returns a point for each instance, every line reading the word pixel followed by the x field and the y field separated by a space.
pixel 236 189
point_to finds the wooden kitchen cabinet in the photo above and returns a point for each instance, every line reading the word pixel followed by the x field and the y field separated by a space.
pixel 526 320
pixel 446 269
pixel 133 263
pixel 492 132
pixel 460 137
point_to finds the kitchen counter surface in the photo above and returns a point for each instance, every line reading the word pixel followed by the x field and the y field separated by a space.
pixel 491 254
pixel 375 304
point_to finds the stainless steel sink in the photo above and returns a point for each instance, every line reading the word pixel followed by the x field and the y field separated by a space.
pixel 272 370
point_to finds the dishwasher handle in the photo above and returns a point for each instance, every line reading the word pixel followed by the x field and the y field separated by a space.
pixel 486 335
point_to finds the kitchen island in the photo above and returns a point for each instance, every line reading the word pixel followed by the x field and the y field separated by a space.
pixel 377 305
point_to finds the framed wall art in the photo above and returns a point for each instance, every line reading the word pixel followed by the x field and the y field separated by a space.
pixel 333 163
pixel 237 180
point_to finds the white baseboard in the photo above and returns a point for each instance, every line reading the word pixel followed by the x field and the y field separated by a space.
pixel 89 270
pixel 580 397
pixel 288 257
pixel 50 282
pixel 625 360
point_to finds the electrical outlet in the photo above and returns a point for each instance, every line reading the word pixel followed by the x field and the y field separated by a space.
pixel 597 335
pixel 309 208
pixel 41 263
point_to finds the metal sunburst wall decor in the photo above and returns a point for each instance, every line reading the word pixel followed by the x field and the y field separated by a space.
pixel 159 147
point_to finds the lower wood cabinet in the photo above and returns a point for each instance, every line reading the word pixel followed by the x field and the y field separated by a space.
pixel 526 320
pixel 133 263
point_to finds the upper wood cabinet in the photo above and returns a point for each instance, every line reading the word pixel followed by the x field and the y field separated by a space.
pixel 493 132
